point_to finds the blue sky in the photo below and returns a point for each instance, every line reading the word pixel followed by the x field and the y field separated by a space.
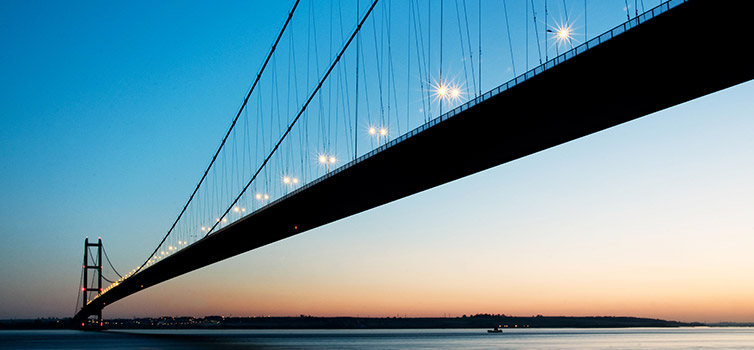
pixel 110 113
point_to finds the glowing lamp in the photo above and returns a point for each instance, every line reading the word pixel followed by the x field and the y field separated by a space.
pixel 455 93
pixel 441 90
pixel 564 34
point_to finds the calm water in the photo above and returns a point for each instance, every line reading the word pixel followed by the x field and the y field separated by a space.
pixel 467 339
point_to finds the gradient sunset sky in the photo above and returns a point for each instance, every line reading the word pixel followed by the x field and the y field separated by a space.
pixel 110 112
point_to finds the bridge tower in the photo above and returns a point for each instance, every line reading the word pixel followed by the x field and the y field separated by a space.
pixel 89 322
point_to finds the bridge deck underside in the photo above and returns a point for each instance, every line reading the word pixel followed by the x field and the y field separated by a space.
pixel 692 50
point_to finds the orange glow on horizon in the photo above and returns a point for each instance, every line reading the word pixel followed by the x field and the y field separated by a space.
pixel 428 292
pixel 375 303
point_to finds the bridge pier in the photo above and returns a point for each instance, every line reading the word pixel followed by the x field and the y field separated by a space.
pixel 87 322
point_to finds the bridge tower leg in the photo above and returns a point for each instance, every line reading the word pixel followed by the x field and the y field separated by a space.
pixel 90 323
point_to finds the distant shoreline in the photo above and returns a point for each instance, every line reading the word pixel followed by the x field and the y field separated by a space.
pixel 313 322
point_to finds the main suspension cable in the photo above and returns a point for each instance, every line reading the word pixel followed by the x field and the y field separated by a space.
pixel 110 263
pixel 79 291
pixel 301 111
pixel 243 105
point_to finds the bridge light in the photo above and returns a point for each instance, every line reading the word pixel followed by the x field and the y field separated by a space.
pixel 327 160
pixel 286 179
pixel 372 130
pixel 266 196
pixel 294 180
pixel 562 32
pixel 441 90
pixel 455 93
pixel 383 132
pixel 258 196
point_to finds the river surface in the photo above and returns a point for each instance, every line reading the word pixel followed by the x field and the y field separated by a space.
pixel 466 339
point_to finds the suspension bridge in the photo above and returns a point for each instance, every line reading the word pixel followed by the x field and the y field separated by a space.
pixel 264 183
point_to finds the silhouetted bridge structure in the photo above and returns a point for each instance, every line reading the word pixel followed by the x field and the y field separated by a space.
pixel 660 59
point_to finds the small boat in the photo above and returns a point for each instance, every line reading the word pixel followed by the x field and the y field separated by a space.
pixel 495 330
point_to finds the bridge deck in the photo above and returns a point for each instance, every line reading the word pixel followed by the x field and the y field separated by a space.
pixel 689 51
